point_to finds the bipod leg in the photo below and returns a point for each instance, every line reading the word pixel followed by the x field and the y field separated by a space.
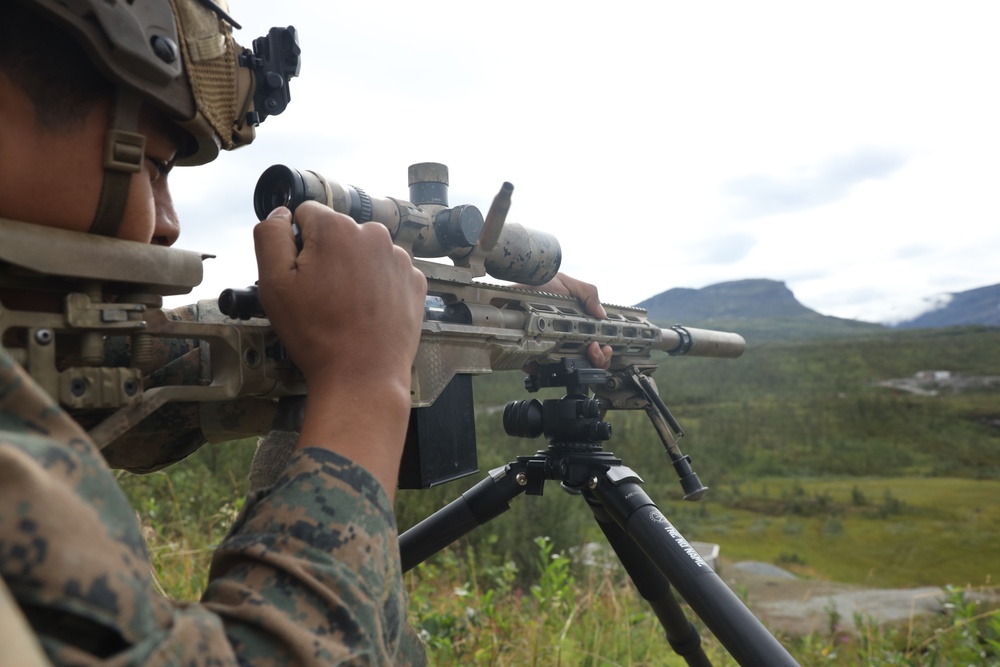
pixel 739 631
pixel 486 500
pixel 654 588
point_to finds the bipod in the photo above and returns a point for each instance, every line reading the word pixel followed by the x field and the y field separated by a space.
pixel 652 551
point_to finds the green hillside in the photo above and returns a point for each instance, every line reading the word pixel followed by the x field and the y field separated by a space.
pixel 809 326
pixel 811 407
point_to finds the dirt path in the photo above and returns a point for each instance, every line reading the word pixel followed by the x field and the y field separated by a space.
pixel 797 606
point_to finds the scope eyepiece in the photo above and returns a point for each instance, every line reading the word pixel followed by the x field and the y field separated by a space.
pixel 278 186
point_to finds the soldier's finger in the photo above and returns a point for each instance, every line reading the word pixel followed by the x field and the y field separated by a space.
pixel 274 244
pixel 599 356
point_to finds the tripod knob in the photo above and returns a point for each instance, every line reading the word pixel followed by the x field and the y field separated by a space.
pixel 599 432
pixel 523 419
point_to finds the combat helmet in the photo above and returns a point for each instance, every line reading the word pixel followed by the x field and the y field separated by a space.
pixel 179 56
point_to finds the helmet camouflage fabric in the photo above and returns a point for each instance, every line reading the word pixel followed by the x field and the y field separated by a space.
pixel 180 57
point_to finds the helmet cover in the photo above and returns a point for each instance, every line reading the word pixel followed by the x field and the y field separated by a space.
pixel 178 55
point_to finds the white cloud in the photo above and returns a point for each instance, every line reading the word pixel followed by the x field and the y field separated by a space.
pixel 623 128
pixel 814 185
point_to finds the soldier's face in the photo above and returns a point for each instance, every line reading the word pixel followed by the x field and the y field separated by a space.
pixel 53 177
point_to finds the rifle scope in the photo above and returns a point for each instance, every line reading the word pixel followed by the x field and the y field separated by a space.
pixel 424 226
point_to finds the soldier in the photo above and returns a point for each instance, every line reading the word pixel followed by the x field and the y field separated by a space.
pixel 310 572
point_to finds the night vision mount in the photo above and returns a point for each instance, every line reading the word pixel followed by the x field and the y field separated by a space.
pixel 274 60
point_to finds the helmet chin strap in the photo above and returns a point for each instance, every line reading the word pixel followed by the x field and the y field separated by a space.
pixel 124 151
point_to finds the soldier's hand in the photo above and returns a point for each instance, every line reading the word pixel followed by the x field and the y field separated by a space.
pixel 348 308
pixel 586 294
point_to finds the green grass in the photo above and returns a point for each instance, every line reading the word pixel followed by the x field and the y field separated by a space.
pixel 187 510
pixel 471 611
pixel 894 532
pixel 475 605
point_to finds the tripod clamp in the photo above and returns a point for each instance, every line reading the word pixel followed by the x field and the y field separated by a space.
pixel 573 423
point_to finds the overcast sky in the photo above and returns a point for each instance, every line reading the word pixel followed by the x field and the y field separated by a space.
pixel 849 149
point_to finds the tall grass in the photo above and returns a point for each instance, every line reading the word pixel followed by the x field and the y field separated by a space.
pixel 474 605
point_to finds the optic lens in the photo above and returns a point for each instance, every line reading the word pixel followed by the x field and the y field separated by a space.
pixel 278 186
pixel 281 195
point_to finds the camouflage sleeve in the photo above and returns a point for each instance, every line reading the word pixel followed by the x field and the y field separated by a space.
pixel 309 575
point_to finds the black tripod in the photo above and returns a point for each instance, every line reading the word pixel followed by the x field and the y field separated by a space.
pixel 653 552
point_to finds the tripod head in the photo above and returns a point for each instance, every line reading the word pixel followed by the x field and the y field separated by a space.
pixel 570 424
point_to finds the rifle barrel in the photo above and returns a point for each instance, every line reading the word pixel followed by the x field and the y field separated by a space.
pixel 679 340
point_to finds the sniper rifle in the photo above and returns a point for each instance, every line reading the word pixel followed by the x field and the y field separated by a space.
pixel 113 290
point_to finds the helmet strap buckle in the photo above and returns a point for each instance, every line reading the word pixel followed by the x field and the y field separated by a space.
pixel 124 151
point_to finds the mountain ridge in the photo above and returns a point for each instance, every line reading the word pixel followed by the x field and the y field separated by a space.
pixel 751 298
pixel 765 309
pixel 975 306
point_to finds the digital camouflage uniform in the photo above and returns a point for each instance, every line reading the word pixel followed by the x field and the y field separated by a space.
pixel 309 574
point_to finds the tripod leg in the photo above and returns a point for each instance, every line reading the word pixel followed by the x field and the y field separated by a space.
pixel 486 500
pixel 746 639
pixel 654 588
